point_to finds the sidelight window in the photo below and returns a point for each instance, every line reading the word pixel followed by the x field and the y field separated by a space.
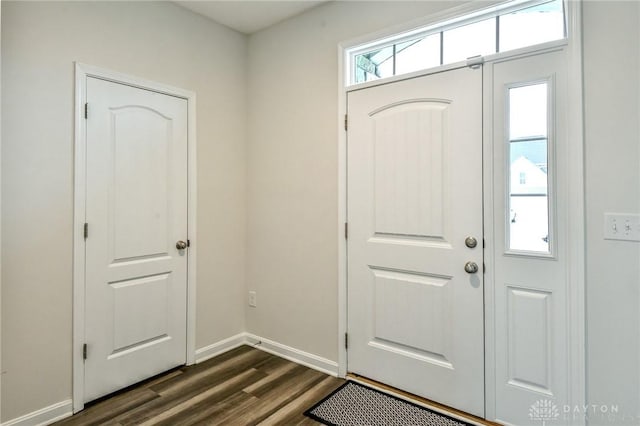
pixel 528 183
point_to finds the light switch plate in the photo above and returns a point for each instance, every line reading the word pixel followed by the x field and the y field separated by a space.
pixel 622 226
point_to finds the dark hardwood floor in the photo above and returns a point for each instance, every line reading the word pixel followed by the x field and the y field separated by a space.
pixel 244 386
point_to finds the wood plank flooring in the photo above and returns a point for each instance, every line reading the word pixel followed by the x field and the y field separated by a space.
pixel 244 386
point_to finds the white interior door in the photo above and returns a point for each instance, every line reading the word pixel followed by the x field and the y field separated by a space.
pixel 415 316
pixel 136 211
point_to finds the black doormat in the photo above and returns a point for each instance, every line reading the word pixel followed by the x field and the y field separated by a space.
pixel 353 404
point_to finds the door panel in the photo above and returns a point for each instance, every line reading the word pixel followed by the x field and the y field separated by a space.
pixel 529 329
pixel 409 141
pixel 140 171
pixel 151 322
pixel 136 279
pixel 412 313
pixel 415 317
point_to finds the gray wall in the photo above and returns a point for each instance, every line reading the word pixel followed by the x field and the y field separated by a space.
pixel 292 183
pixel 154 40
pixel 291 176
pixel 612 144
pixel 292 232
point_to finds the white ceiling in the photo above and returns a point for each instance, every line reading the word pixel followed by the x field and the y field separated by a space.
pixel 249 16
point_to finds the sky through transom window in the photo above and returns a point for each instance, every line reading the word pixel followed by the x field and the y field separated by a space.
pixel 511 28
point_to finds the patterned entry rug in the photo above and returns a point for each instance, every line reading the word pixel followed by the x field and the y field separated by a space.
pixel 353 404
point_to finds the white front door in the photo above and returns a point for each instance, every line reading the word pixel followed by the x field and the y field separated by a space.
pixel 414 182
pixel 136 212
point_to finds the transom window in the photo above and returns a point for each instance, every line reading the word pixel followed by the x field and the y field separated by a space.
pixel 509 26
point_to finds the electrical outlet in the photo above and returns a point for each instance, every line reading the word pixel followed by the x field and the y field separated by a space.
pixel 622 226
pixel 252 299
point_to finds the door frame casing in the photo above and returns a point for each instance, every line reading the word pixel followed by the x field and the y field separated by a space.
pixel 576 232
pixel 82 72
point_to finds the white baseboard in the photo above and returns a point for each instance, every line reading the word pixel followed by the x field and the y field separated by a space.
pixel 287 352
pixel 220 347
pixel 61 410
pixel 292 354
pixel 44 416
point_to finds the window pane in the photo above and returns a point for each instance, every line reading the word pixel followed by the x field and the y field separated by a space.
pixel 418 54
pixel 528 26
pixel 528 111
pixel 469 40
pixel 374 65
pixel 528 183
pixel 531 26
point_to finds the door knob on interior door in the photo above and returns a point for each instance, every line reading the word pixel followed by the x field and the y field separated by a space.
pixel 471 267
pixel 181 245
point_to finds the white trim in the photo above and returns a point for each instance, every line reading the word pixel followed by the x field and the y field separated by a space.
pixel 82 72
pixel 446 20
pixel 298 356
pixel 44 416
pixel 450 19
pixel 415 25
pixel 130 80
pixel 79 210
pixel 576 263
pixel 0 234
pixel 576 233
pixel 551 143
pixel 462 16
pixel 343 89
pixel 342 215
pixel 192 214
pixel 494 57
pixel 220 347
pixel 407 76
pixel 292 354
pixel 489 258
pixel 343 77
pixel 342 186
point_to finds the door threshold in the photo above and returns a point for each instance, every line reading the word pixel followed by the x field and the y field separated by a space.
pixel 432 405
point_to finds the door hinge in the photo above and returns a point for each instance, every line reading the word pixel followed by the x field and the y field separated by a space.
pixel 84 351
pixel 346 230
pixel 86 110
pixel 86 230
pixel 188 243
pixel 346 122
pixel 346 340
